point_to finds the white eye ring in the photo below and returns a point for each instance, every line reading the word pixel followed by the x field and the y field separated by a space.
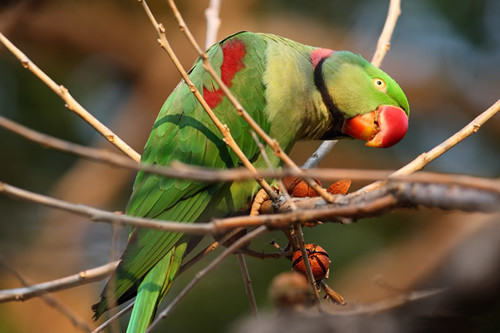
pixel 380 84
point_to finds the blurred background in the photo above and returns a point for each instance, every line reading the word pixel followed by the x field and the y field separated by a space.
pixel 446 56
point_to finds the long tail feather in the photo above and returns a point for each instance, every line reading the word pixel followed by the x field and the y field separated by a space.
pixel 153 288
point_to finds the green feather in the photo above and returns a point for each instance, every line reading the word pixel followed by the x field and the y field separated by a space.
pixel 156 283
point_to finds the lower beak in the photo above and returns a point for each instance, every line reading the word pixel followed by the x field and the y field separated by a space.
pixel 381 128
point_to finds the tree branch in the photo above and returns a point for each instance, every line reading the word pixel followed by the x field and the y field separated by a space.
pixel 87 276
pixel 114 317
pixel 213 22
pixel 247 281
pixel 425 158
pixel 384 41
pixel 324 148
pixel 183 171
pixel 394 194
pixel 382 305
pixel 98 215
pixel 50 300
pixel 71 103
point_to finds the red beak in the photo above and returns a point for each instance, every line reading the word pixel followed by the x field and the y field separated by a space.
pixel 381 128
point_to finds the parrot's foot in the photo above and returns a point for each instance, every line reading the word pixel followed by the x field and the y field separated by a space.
pixel 258 200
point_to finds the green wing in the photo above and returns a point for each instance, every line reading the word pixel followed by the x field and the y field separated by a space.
pixel 184 132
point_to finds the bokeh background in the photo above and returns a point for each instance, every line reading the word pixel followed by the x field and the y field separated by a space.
pixel 445 54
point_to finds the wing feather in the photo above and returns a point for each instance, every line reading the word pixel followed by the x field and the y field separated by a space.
pixel 184 132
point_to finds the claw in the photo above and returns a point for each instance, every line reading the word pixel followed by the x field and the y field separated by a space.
pixel 258 200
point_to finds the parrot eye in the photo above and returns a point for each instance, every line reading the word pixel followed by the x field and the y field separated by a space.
pixel 380 84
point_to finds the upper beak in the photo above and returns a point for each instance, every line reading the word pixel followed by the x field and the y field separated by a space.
pixel 381 128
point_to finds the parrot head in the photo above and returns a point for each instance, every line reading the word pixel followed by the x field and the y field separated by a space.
pixel 371 105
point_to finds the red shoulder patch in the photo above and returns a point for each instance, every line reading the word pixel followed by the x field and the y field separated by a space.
pixel 318 54
pixel 233 52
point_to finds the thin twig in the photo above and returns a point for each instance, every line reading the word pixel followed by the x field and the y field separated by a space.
pixel 264 255
pixel 384 41
pixel 382 305
pixel 299 235
pixel 213 22
pixel 310 276
pixel 87 276
pixel 248 283
pixel 210 248
pixel 110 296
pixel 183 171
pixel 224 130
pixel 425 158
pixel 98 215
pixel 91 275
pixel 114 317
pixel 235 246
pixel 324 148
pixel 50 300
pixel 71 103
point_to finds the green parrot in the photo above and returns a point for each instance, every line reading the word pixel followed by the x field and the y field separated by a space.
pixel 294 92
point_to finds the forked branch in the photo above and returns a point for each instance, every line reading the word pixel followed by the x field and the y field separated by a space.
pixel 392 195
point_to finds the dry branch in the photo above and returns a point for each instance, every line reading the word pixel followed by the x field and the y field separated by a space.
pixel 324 148
pixel 394 194
pixel 71 103
pixel 425 158
pixel 183 171
pixel 98 215
pixel 384 41
pixel 213 22
pixel 114 317
pixel 87 276
pixel 248 283
pixel 383 305
pixel 50 300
